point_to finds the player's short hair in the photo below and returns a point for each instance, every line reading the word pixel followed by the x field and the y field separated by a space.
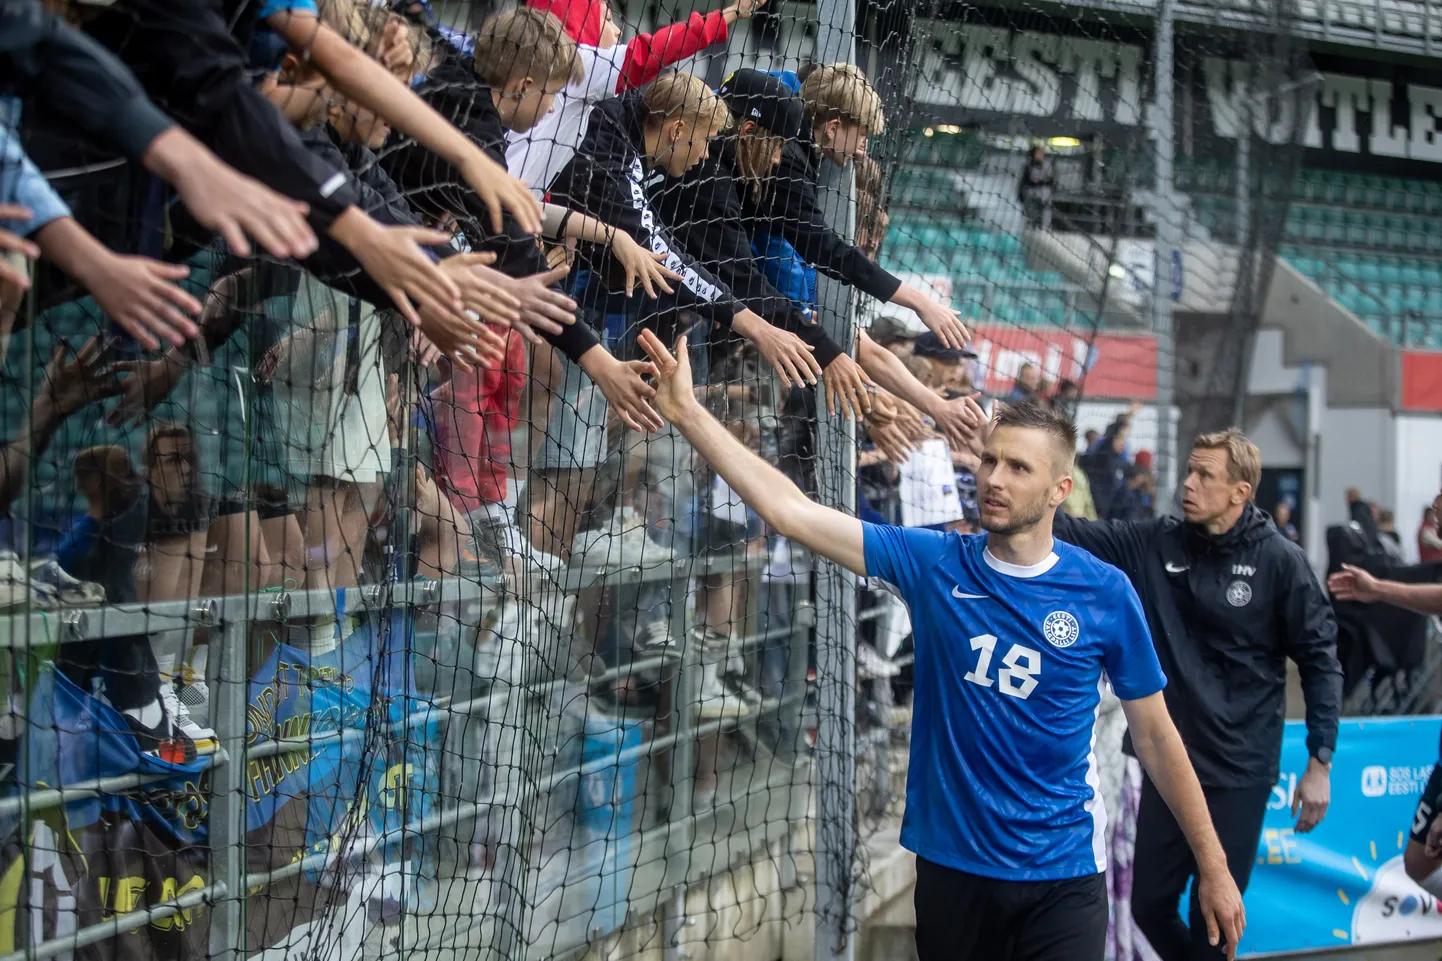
pixel 526 42
pixel 676 95
pixel 1244 461
pixel 841 91
pixel 1050 422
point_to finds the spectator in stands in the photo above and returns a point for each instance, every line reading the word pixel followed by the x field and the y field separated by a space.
pixel 1035 188
pixel 1282 517
pixel 1429 541
pixel 1027 387
pixel 1107 470
pixel 1066 398
pixel 609 68
pixel 787 226
pixel 1387 529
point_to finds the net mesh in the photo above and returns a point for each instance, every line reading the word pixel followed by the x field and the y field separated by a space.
pixel 353 626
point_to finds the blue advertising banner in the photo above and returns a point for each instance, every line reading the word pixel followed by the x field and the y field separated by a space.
pixel 1344 883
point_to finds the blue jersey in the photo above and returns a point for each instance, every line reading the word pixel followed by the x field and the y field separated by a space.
pixel 1009 675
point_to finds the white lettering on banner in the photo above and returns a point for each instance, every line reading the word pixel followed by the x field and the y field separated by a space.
pixel 991 69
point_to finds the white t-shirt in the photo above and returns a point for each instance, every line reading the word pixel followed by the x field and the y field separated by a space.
pixel 538 154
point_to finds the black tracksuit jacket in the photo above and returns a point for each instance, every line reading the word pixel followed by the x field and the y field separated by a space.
pixel 606 179
pixel 436 188
pixel 703 211
pixel 1225 613
pixel 792 210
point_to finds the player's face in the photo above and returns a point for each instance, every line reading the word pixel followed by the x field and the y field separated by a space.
pixel 1209 492
pixel 1017 485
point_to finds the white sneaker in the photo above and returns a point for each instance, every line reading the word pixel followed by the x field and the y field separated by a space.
pixel 623 542
pixel 872 666
pixel 180 714
pixel 717 700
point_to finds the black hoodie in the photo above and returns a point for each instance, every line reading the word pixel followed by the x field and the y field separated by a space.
pixel 703 210
pixel 606 179
pixel 793 211
pixel 1226 611
pixel 436 188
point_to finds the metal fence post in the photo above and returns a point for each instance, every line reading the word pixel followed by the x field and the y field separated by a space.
pixel 835 823
pixel 1166 215
pixel 685 697
pixel 227 798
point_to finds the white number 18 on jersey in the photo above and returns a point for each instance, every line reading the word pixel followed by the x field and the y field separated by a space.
pixel 1017 677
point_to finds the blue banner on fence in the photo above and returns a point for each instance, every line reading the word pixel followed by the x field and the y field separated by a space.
pixel 1344 882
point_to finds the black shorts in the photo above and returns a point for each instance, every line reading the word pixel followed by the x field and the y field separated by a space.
pixel 1429 805
pixel 966 917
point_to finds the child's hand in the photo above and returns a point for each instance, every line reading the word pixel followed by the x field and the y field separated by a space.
pixel 140 295
pixel 624 385
pixel 502 193
pixel 483 290
pixel 847 388
pixel 642 266
pixel 394 258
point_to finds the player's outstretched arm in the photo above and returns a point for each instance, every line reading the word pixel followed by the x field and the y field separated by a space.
pixel 1159 747
pixel 768 491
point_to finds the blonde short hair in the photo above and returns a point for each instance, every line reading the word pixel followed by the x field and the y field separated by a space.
pixel 841 91
pixel 526 42
pixel 676 94
pixel 362 24
pixel 1244 461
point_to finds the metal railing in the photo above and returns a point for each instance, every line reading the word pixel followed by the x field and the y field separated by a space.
pixel 665 857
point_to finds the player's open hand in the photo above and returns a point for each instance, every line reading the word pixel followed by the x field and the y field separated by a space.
pixel 1221 906
pixel 1353 584
pixel 848 389
pixel 674 392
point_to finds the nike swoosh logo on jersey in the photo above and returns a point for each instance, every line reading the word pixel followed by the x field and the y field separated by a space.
pixel 957 593
pixel 1175 568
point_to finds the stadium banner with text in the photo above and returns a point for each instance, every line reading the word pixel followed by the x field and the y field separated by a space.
pixel 1066 80
pixel 1344 883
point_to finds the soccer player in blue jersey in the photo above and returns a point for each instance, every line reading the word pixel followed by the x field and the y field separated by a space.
pixel 1016 633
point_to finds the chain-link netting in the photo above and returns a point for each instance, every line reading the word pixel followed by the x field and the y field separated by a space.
pixel 362 598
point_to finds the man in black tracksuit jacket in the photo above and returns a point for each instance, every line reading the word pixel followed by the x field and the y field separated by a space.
pixel 1228 600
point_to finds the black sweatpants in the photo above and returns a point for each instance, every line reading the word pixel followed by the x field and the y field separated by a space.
pixel 966 917
pixel 1164 864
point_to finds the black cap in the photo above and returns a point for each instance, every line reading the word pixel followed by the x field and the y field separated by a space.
pixel 754 95
pixel 930 345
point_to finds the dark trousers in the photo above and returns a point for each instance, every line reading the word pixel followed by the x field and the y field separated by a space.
pixel 965 917
pixel 1164 864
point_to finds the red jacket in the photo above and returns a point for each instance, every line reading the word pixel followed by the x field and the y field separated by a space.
pixel 648 53
pixel 474 416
